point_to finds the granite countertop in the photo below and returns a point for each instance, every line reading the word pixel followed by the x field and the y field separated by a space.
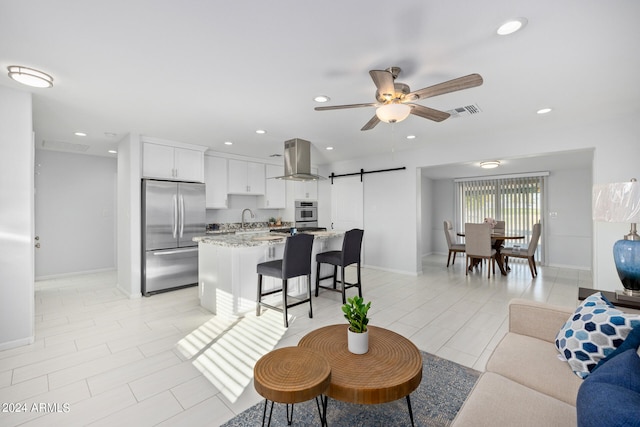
pixel 257 238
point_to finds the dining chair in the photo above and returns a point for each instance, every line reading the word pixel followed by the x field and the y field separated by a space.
pixel 527 252
pixel 499 228
pixel 452 244
pixel 478 245
pixel 295 262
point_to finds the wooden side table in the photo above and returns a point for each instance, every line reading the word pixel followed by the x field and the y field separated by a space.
pixel 291 375
pixel 390 370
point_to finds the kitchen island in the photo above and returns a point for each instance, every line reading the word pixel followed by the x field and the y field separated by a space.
pixel 227 278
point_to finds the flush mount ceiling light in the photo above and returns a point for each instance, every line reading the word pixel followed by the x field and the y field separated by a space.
pixel 512 26
pixel 29 76
pixel 321 98
pixel 490 164
pixel 393 113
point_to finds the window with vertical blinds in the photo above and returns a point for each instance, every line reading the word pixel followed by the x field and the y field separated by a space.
pixel 516 200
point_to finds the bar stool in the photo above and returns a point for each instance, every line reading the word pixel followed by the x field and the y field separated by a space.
pixel 350 254
pixel 295 262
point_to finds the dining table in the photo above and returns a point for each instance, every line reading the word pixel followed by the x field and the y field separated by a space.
pixel 498 241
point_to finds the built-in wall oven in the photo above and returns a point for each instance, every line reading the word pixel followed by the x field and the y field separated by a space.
pixel 306 213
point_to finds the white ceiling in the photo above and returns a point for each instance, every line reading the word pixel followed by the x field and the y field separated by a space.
pixel 206 72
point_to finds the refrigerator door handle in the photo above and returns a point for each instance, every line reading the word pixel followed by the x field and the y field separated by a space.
pixel 181 215
pixel 175 216
pixel 181 251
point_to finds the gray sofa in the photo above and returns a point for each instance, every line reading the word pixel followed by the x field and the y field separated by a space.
pixel 525 384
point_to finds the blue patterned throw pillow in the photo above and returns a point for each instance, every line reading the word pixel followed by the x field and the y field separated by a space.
pixel 593 332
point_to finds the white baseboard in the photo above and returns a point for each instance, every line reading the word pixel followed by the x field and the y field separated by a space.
pixel 391 270
pixel 75 273
pixel 17 343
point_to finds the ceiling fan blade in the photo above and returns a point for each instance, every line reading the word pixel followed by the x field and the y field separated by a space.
pixel 428 113
pixel 466 82
pixel 371 123
pixel 383 80
pixel 341 107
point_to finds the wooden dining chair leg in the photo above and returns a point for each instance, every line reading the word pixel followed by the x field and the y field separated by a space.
pixel 449 258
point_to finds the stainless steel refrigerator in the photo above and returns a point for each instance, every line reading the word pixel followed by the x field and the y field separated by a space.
pixel 173 213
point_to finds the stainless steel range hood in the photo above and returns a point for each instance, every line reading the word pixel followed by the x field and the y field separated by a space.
pixel 297 161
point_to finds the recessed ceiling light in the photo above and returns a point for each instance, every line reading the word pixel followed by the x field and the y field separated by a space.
pixel 411 137
pixel 490 164
pixel 228 143
pixel 29 76
pixel 80 134
pixel 261 131
pixel 512 26
pixel 113 152
pixel 544 110
pixel 329 148
pixel 321 98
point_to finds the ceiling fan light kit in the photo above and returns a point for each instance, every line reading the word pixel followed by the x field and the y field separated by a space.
pixel 490 164
pixel 29 76
pixel 397 99
pixel 512 26
pixel 393 113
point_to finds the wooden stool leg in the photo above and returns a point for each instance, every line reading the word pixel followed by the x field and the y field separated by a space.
pixel 259 298
pixel 309 296
pixel 360 282
pixel 317 277
pixel 284 303
pixel 344 284
pixel 335 275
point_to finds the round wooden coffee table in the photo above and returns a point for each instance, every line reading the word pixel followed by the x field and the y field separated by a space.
pixel 292 375
pixel 390 370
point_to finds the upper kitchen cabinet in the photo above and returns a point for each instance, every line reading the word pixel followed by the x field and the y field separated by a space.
pixel 246 177
pixel 215 176
pixel 275 195
pixel 307 190
pixel 172 160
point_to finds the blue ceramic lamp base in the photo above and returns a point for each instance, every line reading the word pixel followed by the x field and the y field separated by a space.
pixel 626 254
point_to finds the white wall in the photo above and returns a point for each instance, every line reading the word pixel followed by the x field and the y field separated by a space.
pixel 16 219
pixel 75 213
pixel 390 198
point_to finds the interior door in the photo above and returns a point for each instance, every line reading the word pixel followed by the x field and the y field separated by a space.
pixel 347 205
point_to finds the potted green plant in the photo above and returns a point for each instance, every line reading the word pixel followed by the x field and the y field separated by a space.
pixel 272 221
pixel 355 311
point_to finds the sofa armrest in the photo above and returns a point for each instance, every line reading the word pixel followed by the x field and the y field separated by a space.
pixel 536 319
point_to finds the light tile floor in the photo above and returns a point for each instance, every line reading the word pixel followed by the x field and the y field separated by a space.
pixel 103 359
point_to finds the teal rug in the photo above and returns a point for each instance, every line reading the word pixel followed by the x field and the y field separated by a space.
pixel 444 387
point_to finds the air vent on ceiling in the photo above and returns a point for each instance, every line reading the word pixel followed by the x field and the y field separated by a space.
pixel 467 110
pixel 65 146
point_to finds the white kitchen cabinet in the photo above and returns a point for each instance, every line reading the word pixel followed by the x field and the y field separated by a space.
pixel 246 177
pixel 166 161
pixel 215 177
pixel 307 190
pixel 275 194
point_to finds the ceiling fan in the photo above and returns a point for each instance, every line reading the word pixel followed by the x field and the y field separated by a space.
pixel 395 99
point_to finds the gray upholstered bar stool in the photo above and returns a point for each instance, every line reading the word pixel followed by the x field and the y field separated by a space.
pixel 295 262
pixel 350 254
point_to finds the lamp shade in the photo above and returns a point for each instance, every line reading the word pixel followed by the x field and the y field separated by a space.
pixel 392 113
pixel 617 202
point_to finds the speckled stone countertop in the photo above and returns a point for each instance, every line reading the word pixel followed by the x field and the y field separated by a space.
pixel 257 238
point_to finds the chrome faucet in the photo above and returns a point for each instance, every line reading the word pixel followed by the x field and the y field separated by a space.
pixel 243 212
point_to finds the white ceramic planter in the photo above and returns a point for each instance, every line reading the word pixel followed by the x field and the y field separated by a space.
pixel 358 343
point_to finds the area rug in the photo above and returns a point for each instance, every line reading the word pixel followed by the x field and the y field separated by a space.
pixel 444 387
